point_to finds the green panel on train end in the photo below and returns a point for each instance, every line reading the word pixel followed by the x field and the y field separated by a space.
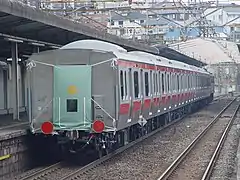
pixel 72 97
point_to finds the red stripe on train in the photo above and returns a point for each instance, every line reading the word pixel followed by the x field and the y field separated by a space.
pixel 147 103
pixel 124 108
pixel 136 106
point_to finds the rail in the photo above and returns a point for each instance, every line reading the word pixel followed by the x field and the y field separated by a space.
pixel 166 174
pixel 43 171
pixel 209 169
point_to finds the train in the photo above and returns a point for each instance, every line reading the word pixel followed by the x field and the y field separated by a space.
pixel 97 95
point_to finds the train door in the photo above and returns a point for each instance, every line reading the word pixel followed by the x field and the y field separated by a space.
pixel 141 91
pixel 151 92
pixel 125 98
pixel 168 97
pixel 146 94
pixel 136 104
pixel 163 94
pixel 154 97
pixel 159 91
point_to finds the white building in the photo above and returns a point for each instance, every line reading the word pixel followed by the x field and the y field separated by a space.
pixel 134 24
pixel 230 18
pixel 224 15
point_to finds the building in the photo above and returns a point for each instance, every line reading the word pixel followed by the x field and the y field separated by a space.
pixel 229 17
pixel 136 25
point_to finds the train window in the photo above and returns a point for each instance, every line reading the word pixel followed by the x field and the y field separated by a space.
pixel 136 84
pixel 146 84
pixel 177 82
pixel 72 105
pixel 168 83
pixel 173 84
pixel 121 84
pixel 163 88
pixel 126 84
pixel 181 82
pixel 191 83
pixel 156 82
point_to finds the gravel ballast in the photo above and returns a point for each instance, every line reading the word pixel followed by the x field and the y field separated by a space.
pixel 226 166
pixel 150 158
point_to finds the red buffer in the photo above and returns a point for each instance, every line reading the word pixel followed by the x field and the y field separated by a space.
pixel 98 126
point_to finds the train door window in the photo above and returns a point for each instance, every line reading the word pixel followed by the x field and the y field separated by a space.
pixel 126 84
pixel 136 84
pixel 121 84
pixel 198 82
pixel 163 84
pixel 194 82
pixel 151 83
pixel 159 81
pixel 146 80
pixel 182 82
pixel 186 83
pixel 190 75
pixel 166 83
pixel 130 82
pixel 72 105
pixel 177 82
pixel 191 81
pixel 173 82
pixel 200 78
pixel 141 83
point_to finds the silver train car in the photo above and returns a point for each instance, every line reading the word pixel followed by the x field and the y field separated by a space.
pixel 93 93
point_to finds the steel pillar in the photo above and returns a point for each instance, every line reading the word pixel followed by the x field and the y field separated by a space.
pixel 15 82
pixel 5 91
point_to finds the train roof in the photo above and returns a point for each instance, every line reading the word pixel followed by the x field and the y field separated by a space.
pixel 94 44
pixel 137 56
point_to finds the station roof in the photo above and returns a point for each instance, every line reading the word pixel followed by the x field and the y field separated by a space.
pixel 37 28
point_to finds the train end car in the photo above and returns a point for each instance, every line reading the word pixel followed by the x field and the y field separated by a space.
pixel 95 94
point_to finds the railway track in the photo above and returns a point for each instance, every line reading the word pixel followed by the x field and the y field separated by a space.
pixel 58 169
pixel 199 154
pixel 63 172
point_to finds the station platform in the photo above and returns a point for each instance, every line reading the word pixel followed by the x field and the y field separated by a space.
pixel 10 128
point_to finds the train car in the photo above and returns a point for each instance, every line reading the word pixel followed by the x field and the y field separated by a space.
pixel 91 93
